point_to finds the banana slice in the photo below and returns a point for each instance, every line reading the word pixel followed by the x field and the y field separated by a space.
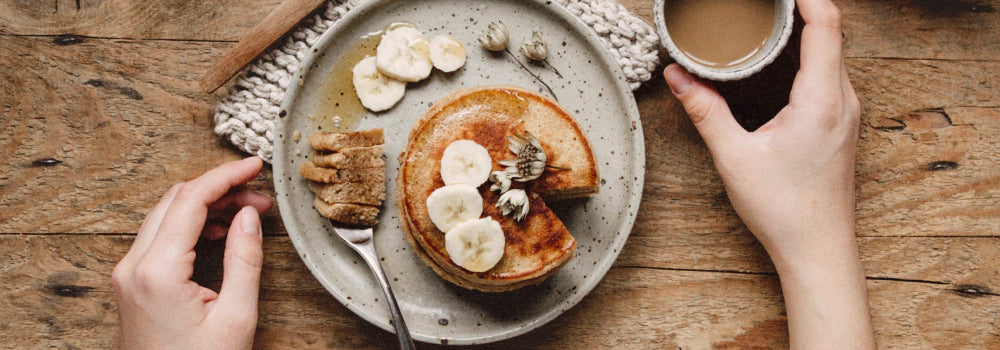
pixel 465 162
pixel 404 54
pixel 475 245
pixel 454 204
pixel 447 54
pixel 376 91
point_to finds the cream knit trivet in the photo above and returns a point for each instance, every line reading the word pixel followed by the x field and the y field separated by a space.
pixel 247 115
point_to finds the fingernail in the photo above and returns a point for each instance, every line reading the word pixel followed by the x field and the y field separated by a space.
pixel 250 223
pixel 678 79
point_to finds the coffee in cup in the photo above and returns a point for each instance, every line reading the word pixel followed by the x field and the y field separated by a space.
pixel 719 33
pixel 724 39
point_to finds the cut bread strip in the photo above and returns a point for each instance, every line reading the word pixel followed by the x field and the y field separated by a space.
pixel 351 157
pixel 348 214
pixel 335 141
pixel 326 175
pixel 371 193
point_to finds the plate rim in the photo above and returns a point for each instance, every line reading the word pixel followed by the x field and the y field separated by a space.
pixel 634 194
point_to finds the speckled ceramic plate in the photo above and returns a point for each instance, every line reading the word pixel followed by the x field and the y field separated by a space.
pixel 593 89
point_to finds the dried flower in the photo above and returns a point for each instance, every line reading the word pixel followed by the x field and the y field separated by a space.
pixel 529 165
pixel 515 201
pixel 530 160
pixel 535 47
pixel 495 37
pixel 500 180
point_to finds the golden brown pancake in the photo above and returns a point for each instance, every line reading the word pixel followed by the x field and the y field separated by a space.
pixel 539 245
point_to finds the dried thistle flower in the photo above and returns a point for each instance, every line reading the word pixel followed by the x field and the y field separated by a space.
pixel 495 37
pixel 514 201
pixel 530 162
pixel 529 165
pixel 500 180
pixel 534 48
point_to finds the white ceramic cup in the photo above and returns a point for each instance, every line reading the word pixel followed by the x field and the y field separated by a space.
pixel 783 21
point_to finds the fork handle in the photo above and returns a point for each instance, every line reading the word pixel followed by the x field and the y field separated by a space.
pixel 367 252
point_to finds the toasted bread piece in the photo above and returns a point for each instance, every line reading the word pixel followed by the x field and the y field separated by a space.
pixel 335 141
pixel 535 248
pixel 312 172
pixel 349 214
pixel 371 193
pixel 350 157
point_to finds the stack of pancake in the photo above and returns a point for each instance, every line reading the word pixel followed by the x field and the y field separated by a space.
pixel 347 174
pixel 535 247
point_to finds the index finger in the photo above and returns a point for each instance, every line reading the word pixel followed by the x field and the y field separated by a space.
pixel 822 53
pixel 152 224
pixel 185 218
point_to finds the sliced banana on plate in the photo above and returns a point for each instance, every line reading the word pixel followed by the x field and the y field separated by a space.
pixel 475 245
pixel 447 54
pixel 465 162
pixel 376 91
pixel 404 54
pixel 453 204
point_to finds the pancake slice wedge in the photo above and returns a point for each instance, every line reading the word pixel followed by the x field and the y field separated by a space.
pixel 350 157
pixel 370 193
pixel 347 174
pixel 315 173
pixel 335 141
pixel 351 214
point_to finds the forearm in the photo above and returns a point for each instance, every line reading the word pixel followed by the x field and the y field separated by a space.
pixel 826 297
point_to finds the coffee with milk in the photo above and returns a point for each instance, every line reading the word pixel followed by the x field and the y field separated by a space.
pixel 720 33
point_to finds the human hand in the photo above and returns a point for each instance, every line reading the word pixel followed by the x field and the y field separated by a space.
pixel 792 183
pixel 158 304
pixel 792 180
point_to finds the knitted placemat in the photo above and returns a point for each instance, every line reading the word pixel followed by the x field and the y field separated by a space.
pixel 247 115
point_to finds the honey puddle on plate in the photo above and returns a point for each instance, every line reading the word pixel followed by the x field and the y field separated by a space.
pixel 720 33
pixel 339 98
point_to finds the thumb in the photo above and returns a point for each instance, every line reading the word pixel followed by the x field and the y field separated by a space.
pixel 241 268
pixel 708 110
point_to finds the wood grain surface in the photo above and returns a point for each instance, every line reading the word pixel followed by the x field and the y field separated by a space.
pixel 282 18
pixel 100 113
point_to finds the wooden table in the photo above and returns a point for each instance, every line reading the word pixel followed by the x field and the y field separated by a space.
pixel 107 91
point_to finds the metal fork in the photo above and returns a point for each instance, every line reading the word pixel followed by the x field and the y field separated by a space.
pixel 362 242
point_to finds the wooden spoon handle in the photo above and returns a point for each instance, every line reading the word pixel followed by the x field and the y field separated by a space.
pixel 277 23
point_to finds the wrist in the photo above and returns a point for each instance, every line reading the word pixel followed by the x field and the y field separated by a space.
pixel 816 253
pixel 826 296
pixel 828 273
